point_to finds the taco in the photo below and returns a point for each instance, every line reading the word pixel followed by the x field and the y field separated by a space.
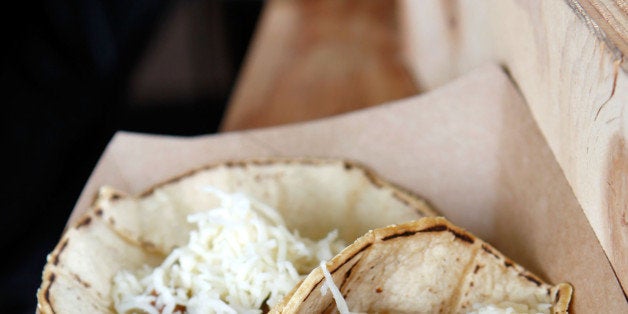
pixel 424 266
pixel 124 232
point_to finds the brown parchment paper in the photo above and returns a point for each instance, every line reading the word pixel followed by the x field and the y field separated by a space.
pixel 471 148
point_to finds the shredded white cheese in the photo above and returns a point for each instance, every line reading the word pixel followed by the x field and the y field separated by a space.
pixel 507 307
pixel 328 283
pixel 240 256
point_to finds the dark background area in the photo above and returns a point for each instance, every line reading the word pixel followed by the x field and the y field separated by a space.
pixel 73 74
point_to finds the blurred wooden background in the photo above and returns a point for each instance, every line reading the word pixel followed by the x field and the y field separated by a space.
pixel 316 58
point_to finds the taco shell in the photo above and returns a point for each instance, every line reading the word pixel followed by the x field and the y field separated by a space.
pixel 424 266
pixel 125 232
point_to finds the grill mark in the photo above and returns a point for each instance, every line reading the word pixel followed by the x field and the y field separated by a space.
pixel 398 235
pixel 81 281
pixel 327 308
pixel 309 162
pixel 337 268
pixel 234 164
pixel 147 245
pixel 477 268
pixel 312 290
pixel 462 236
pixel 84 222
pixel 55 259
pixel 176 179
pixel 347 274
pixel 352 256
pixel 150 191
pixel 531 279
pixel 51 278
pixel 437 228
pixel 489 251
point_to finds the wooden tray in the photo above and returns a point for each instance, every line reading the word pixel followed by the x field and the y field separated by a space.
pixel 472 148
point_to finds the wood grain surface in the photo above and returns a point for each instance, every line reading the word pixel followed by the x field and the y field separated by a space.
pixel 315 58
pixel 608 20
pixel 571 77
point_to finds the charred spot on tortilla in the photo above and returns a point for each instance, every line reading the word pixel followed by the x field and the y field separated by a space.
pixel 477 268
pixel 148 245
pixel 362 249
pixel 51 280
pixel 351 257
pixel 312 290
pixel 328 308
pixel 436 228
pixel 508 263
pixel 311 161
pixel 84 222
pixel 98 212
pixel 399 235
pixel 531 278
pixel 81 281
pixel 57 255
pixel 234 164
pixel 488 250
pixel 348 275
pixel 148 192
pixel 462 236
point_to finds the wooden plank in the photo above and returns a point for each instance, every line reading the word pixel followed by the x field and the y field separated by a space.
pixel 315 58
pixel 608 20
pixel 571 79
